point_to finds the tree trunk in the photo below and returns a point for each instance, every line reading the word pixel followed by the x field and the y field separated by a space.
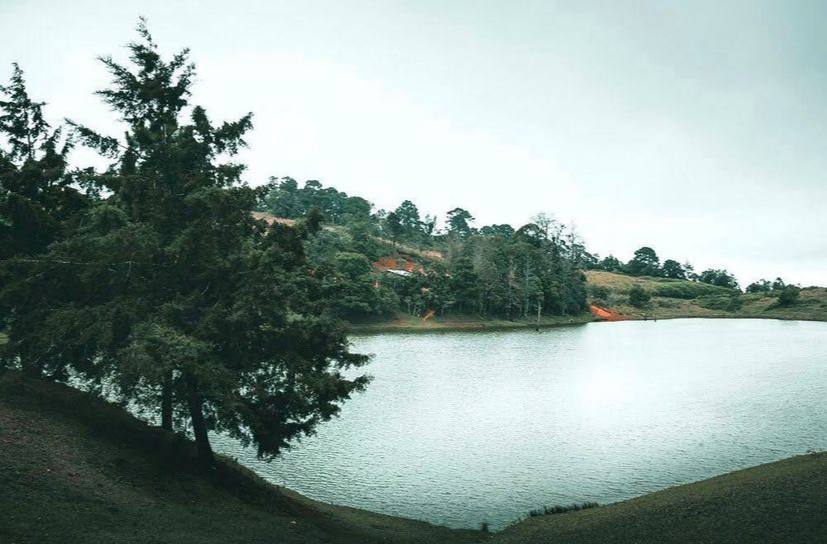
pixel 199 427
pixel 525 289
pixel 539 310
pixel 166 402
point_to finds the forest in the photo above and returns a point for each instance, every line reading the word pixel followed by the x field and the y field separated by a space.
pixel 449 266
pixel 495 270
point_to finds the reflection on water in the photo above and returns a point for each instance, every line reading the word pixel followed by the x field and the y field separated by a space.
pixel 460 428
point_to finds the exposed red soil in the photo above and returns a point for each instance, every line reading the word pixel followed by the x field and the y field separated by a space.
pixel 605 313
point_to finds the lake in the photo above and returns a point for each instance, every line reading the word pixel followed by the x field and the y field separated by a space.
pixel 460 428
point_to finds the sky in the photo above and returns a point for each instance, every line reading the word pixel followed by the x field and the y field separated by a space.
pixel 697 128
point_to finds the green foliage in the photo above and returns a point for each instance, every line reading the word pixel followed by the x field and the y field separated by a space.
pixel 644 263
pixel 686 290
pixel 38 197
pixel 392 226
pixel 599 292
pixel 766 287
pixel 496 275
pixel 610 264
pixel 410 225
pixel 464 284
pixel 284 198
pixel 726 302
pixel 363 239
pixel 21 120
pixel 667 303
pixel 497 272
pixel 39 204
pixel 719 277
pixel 760 286
pixel 639 297
pixel 171 291
pixel 673 269
pixel 348 286
pixel 502 231
pixel 459 222
pixel 789 295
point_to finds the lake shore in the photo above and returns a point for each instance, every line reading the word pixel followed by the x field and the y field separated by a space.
pixel 410 324
pixel 811 306
pixel 413 325
pixel 128 490
pixel 108 477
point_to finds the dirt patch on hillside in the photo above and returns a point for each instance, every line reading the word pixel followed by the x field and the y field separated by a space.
pixel 605 313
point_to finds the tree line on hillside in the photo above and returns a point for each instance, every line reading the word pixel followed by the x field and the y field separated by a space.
pixel 646 262
pixel 492 271
pixel 152 276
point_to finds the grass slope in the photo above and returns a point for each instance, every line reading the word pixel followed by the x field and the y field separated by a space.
pixel 773 503
pixel 75 469
pixel 812 305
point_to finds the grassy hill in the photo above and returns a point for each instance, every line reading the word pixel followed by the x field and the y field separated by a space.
pixel 680 298
pixel 75 469
pixel 773 503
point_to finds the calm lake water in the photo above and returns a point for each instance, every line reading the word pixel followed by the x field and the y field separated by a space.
pixel 460 428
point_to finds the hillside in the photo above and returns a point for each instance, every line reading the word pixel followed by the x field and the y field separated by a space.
pixel 772 503
pixel 75 469
pixel 681 298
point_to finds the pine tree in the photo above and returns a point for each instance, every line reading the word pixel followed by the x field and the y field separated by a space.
pixel 181 298
pixel 39 204
pixel 36 195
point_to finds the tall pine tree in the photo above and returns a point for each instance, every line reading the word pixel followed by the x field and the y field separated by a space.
pixel 173 291
pixel 39 204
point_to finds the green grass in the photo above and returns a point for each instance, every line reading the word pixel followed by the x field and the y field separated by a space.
pixel 75 469
pixel 690 299
pixel 772 503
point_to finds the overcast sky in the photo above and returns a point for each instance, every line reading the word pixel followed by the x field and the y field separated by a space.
pixel 697 128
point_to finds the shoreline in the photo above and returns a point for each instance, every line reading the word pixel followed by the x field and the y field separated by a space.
pixel 729 498
pixel 463 324
pixel 481 325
